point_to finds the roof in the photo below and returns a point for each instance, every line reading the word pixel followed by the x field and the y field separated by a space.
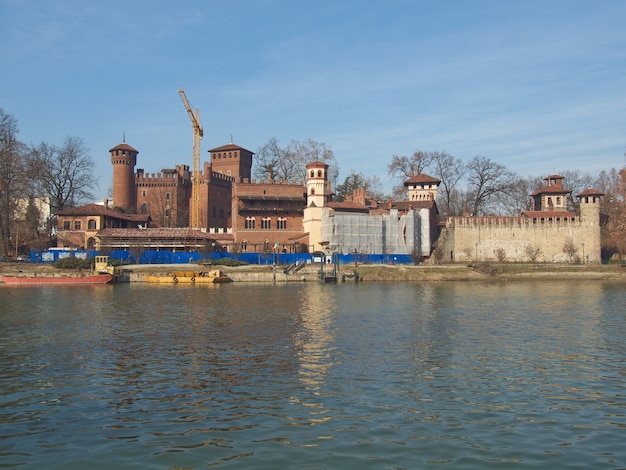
pixel 265 197
pixel 551 190
pixel 407 205
pixel 317 164
pixel 348 206
pixel 590 192
pixel 100 210
pixel 421 178
pixel 124 146
pixel 227 147
pixel 155 233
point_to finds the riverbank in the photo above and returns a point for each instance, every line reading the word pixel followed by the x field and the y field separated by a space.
pixel 365 272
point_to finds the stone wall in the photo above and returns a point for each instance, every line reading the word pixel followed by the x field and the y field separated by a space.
pixel 519 239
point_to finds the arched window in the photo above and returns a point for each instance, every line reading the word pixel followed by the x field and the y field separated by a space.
pixel 266 223
pixel 249 223
pixel 319 173
pixel 281 223
pixel 91 224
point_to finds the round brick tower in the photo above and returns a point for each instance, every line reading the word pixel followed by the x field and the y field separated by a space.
pixel 124 159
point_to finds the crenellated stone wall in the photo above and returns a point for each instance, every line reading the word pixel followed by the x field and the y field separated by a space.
pixel 520 239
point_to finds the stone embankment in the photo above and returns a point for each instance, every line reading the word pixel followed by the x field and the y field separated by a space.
pixel 365 272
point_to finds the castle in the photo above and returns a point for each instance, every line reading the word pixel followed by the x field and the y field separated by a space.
pixel 240 214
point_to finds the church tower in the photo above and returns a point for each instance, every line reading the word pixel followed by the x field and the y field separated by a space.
pixel 124 159
pixel 317 197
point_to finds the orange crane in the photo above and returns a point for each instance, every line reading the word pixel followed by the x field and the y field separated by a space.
pixel 198 133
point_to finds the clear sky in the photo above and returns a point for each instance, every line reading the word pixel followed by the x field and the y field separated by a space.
pixel 538 86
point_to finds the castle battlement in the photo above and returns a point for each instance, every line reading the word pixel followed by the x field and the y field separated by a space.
pixel 509 221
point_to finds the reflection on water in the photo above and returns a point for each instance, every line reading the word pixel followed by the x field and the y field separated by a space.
pixel 470 375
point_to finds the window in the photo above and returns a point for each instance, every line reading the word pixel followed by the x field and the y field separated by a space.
pixel 66 225
pixel 144 192
pixel 221 212
pixel 266 223
pixel 281 223
pixel 249 223
pixel 167 196
pixel 77 225
pixel 91 224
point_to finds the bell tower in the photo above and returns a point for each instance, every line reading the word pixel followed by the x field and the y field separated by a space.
pixel 317 195
pixel 124 159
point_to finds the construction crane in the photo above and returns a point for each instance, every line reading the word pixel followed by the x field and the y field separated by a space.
pixel 194 115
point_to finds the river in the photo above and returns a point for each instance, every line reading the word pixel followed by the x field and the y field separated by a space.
pixel 485 375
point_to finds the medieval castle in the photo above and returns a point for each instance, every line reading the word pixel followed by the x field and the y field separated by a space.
pixel 240 214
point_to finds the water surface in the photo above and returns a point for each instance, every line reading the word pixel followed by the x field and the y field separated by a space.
pixel 454 375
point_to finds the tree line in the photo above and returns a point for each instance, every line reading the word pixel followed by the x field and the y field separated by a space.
pixel 29 174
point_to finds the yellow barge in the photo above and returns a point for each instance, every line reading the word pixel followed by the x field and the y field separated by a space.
pixel 190 277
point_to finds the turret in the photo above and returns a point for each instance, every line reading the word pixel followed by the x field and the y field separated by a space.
pixel 124 159
pixel 422 187
pixel 589 201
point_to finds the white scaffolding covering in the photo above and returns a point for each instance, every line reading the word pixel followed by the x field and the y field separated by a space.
pixel 376 234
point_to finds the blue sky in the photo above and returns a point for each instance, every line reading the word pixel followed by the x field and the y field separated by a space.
pixel 538 86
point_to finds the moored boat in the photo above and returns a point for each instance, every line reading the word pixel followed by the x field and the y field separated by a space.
pixel 42 279
pixel 190 277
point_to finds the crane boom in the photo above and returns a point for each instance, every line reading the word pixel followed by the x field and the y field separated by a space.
pixel 198 133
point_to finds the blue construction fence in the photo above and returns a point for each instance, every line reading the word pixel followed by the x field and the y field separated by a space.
pixel 178 257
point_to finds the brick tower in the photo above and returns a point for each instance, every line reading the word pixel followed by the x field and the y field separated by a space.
pixel 124 159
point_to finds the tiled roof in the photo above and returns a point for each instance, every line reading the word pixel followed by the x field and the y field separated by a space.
pixel 421 178
pixel 406 205
pixel 590 192
pixel 99 210
pixel 124 146
pixel 227 147
pixel 348 206
pixel 154 233
pixel 551 190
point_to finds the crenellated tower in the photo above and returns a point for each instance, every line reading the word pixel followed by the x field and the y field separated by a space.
pixel 124 159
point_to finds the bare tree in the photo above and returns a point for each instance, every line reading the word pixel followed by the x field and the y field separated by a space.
pixel 613 185
pixel 64 174
pixel 486 180
pixel 276 163
pixel 450 171
pixel 268 159
pixel 14 184
pixel 517 198
pixel 405 167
